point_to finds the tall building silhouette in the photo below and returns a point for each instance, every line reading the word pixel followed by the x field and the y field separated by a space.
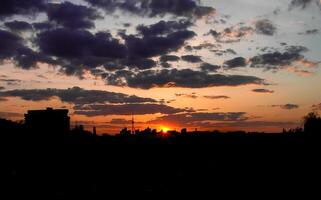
pixel 49 120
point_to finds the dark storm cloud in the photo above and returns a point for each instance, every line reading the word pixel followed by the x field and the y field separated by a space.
pixel 192 118
pixel 265 27
pixel 163 27
pixel 12 47
pixel 139 63
pixel 287 106
pixel 75 95
pixel 9 44
pixel 71 15
pixel 9 8
pixel 80 49
pixel 188 8
pixel 261 90
pixel 63 41
pixel 2 88
pixel 76 49
pixel 185 78
pixel 216 97
pixel 235 62
pixel 169 58
pixel 207 67
pixel 27 58
pixel 77 44
pixel 192 58
pixel 126 109
pixel 41 26
pixel 18 26
pixel 156 45
pixel 277 60
pixel 310 32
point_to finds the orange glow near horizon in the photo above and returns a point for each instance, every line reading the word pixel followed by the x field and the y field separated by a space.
pixel 164 129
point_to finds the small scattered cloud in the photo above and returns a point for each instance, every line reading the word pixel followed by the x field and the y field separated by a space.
pixel 163 27
pixel 299 72
pixel 310 32
pixel 287 106
pixel 220 52
pixel 235 63
pixel 192 58
pixel 169 58
pixel 205 45
pixel 303 3
pixel 9 81
pixel 265 27
pixel 192 95
pixel 278 60
pixel 207 67
pixel 216 97
pixel 231 34
pixel 261 90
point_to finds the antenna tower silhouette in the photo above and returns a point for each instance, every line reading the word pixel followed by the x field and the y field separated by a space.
pixel 133 123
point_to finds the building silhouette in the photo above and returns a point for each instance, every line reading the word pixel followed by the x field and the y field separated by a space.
pixel 49 120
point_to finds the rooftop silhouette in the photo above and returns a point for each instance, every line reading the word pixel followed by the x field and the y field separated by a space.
pixel 52 120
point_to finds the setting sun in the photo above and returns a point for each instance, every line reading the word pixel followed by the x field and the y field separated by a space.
pixel 164 129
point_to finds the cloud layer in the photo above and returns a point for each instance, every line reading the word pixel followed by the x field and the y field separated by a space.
pixel 127 109
pixel 185 78
pixel 75 95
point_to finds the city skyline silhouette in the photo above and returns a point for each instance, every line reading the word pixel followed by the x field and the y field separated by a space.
pixel 160 99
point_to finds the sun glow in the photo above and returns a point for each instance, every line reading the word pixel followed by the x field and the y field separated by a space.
pixel 164 129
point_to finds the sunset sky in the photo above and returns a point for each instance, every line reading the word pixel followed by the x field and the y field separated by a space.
pixel 250 65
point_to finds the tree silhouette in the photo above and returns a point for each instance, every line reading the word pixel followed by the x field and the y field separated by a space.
pixel 312 123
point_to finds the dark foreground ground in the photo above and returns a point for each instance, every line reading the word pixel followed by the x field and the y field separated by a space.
pixel 205 166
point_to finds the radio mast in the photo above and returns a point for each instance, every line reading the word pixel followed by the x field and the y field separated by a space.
pixel 133 123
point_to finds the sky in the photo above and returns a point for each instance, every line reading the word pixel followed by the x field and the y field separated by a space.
pixel 250 65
